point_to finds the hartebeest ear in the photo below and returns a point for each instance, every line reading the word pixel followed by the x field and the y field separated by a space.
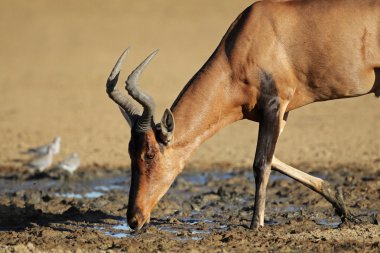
pixel 166 127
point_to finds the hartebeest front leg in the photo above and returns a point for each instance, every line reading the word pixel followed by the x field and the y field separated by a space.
pixel 269 130
pixel 331 194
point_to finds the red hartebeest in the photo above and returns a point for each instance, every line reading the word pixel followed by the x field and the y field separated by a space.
pixel 276 57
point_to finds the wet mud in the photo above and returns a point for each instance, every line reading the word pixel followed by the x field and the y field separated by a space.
pixel 202 212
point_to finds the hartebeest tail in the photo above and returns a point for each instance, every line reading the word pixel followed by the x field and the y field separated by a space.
pixel 276 57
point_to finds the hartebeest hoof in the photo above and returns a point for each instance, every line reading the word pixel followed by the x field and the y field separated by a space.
pixel 335 197
pixel 255 226
pixel 349 218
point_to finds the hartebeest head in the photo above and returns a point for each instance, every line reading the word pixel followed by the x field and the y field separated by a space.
pixel 153 169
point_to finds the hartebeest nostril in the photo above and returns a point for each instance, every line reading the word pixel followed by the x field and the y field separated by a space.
pixel 133 223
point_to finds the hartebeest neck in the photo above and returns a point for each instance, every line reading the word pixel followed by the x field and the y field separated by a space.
pixel 207 103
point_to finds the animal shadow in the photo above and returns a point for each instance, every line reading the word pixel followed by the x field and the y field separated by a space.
pixel 13 218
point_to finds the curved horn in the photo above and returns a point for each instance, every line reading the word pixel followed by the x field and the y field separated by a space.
pixel 128 109
pixel 145 122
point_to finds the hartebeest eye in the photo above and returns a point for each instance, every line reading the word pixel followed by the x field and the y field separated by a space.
pixel 150 155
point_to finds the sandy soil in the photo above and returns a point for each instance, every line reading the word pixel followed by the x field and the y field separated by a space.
pixel 55 58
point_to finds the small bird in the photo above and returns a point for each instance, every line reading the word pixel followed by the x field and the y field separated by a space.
pixel 70 163
pixel 43 161
pixel 43 150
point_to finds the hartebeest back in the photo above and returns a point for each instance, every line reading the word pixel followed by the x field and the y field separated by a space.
pixel 277 56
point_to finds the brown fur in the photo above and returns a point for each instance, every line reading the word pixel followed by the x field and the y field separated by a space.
pixel 314 50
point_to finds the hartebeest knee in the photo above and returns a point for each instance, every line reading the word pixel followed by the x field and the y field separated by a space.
pixel 276 57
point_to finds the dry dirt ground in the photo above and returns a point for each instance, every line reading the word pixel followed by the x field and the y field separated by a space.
pixel 54 60
pixel 202 212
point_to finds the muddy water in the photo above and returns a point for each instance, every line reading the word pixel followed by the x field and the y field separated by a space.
pixel 203 211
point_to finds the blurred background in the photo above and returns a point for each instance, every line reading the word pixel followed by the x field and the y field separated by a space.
pixel 55 57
